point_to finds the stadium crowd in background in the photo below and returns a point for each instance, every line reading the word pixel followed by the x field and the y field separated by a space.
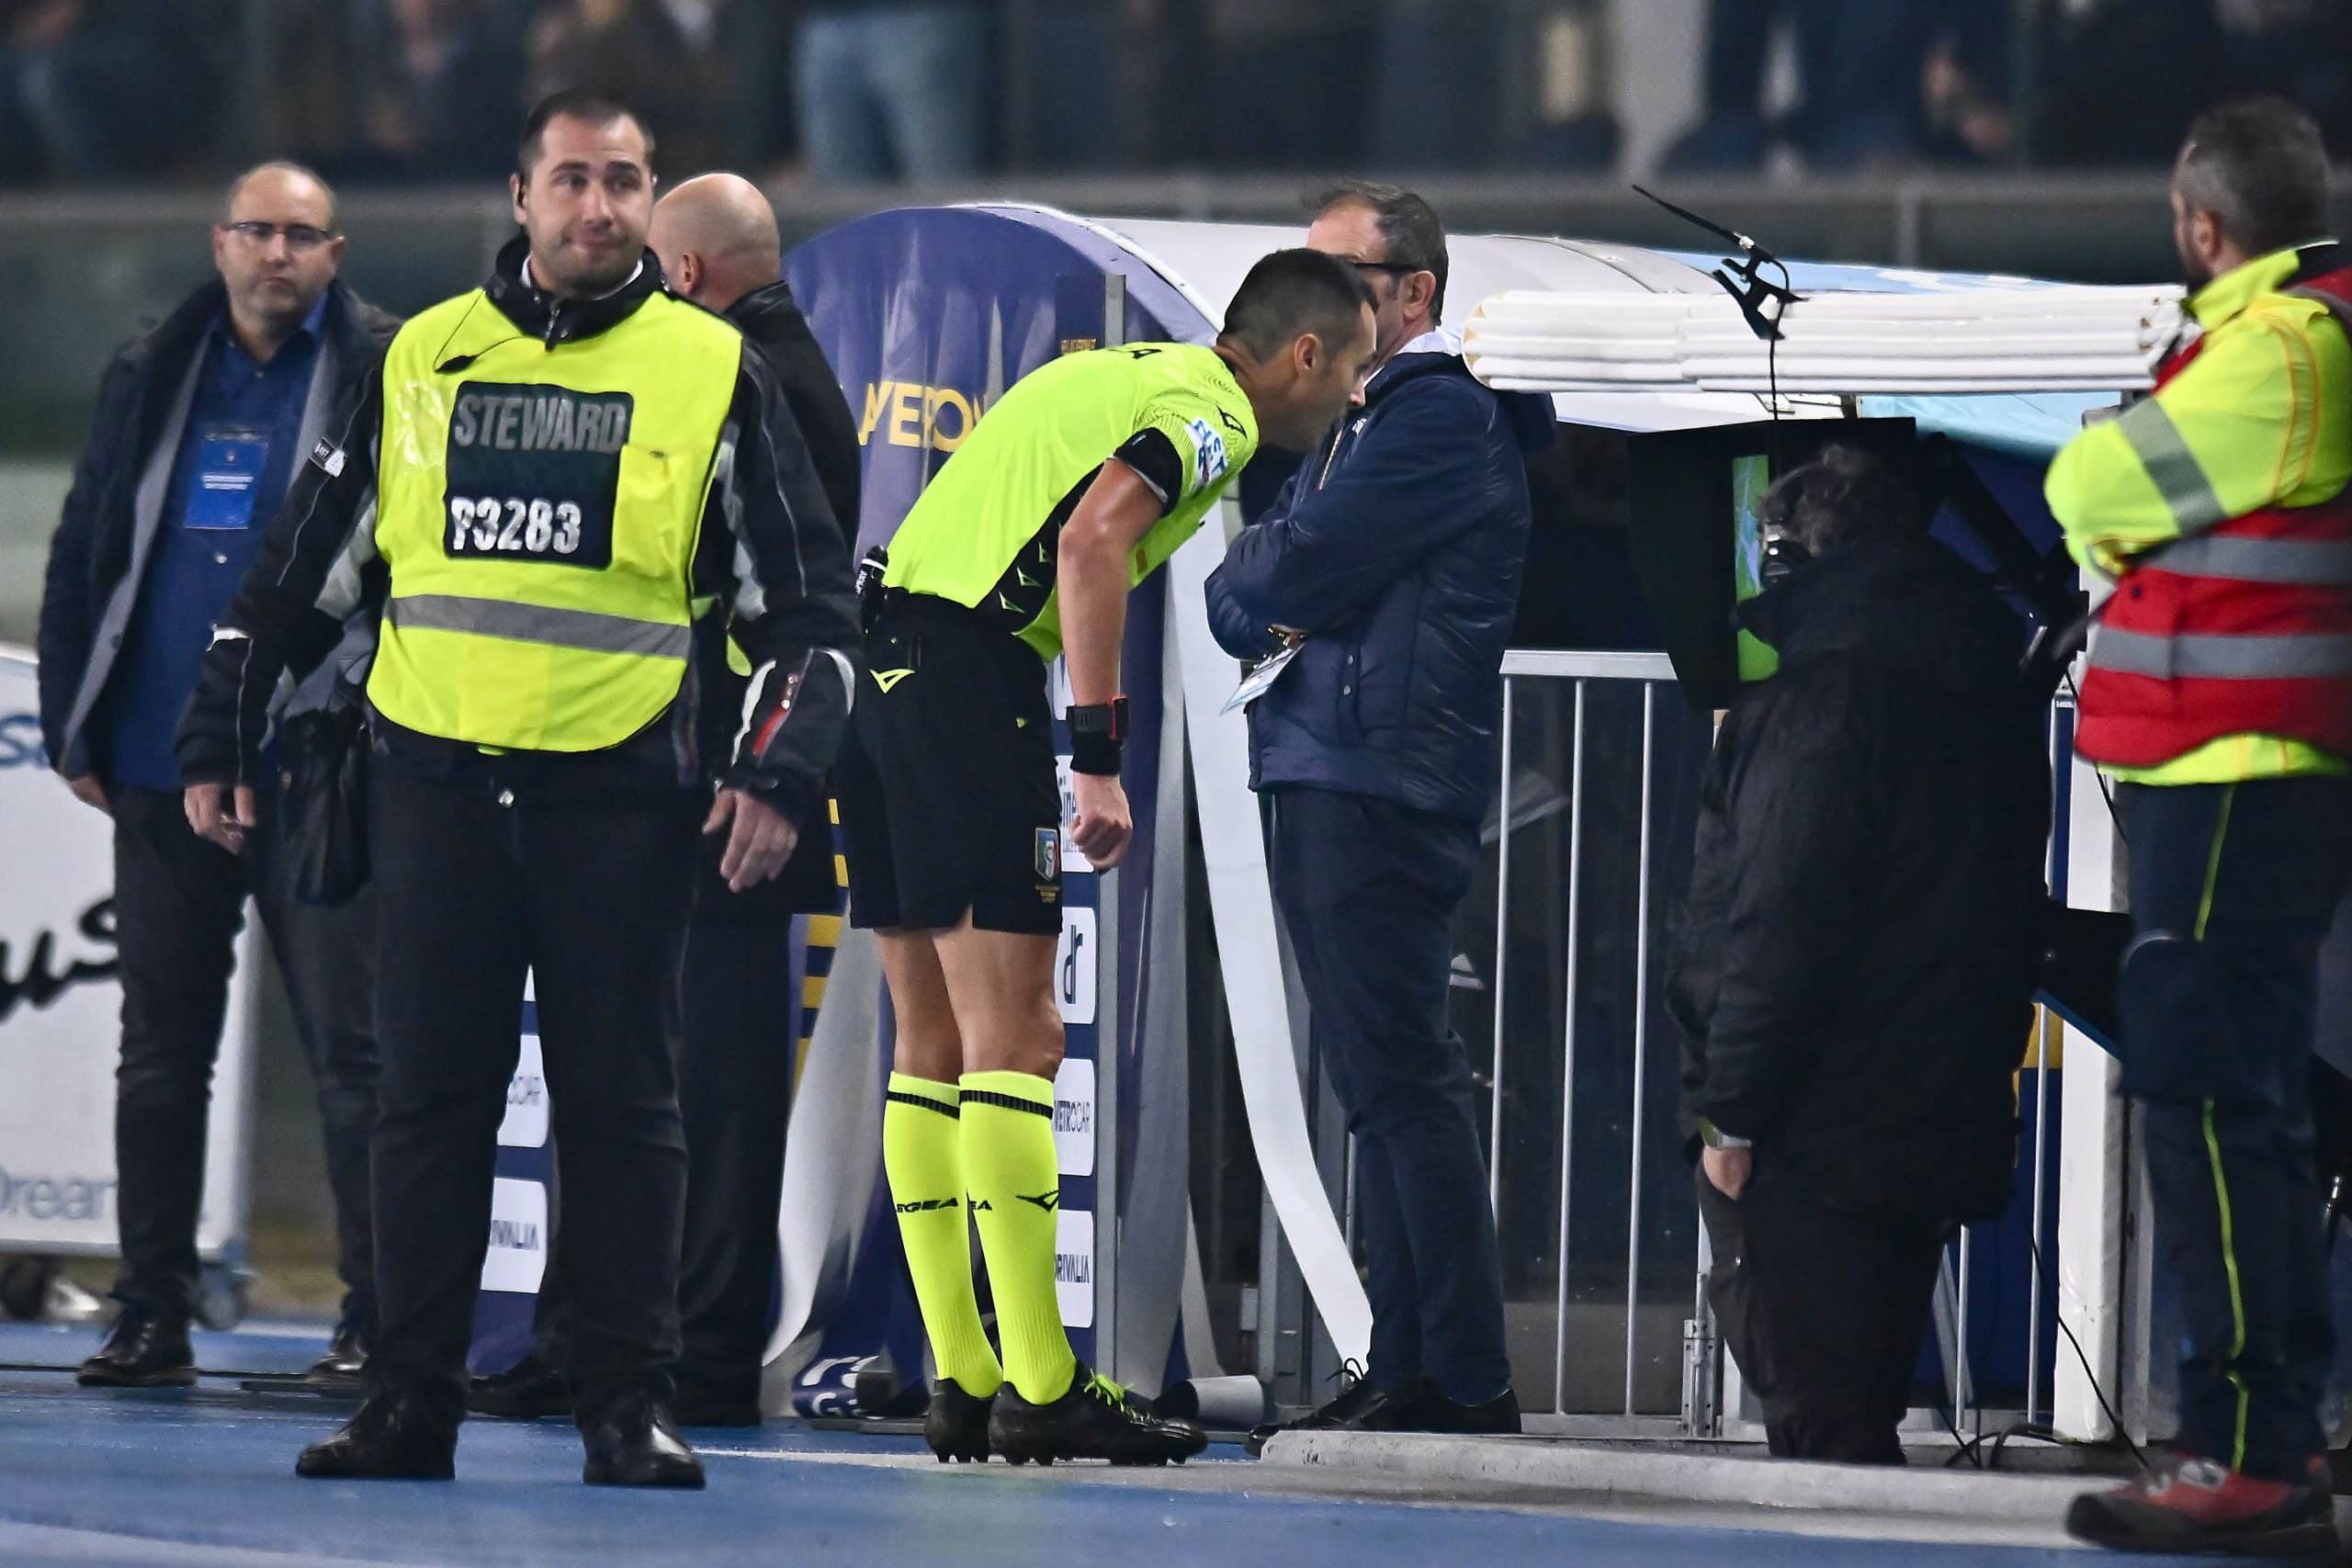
pixel 412 91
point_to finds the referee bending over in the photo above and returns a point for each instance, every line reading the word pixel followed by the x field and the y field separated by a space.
pixel 1082 480
pixel 556 489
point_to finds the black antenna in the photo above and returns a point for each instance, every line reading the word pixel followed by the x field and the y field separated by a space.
pixel 1752 293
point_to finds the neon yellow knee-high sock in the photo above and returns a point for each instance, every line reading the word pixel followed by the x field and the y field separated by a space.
pixel 923 1154
pixel 1015 1186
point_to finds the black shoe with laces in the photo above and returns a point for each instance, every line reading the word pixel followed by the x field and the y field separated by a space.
pixel 144 1350
pixel 1362 1406
pixel 394 1437
pixel 524 1392
pixel 956 1427
pixel 1095 1419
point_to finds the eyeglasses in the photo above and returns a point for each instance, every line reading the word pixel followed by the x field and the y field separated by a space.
pixel 298 236
pixel 1395 269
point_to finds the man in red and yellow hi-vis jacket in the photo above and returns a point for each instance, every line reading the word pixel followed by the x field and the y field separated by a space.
pixel 2218 694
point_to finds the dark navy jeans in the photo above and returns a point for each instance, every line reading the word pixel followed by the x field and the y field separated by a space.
pixel 1367 890
pixel 2233 886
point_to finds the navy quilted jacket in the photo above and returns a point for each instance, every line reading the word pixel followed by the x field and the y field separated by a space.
pixel 1398 549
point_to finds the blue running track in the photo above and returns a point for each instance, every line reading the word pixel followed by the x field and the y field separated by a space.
pixel 203 1478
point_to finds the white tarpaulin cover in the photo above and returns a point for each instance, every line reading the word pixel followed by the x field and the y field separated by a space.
pixel 1836 343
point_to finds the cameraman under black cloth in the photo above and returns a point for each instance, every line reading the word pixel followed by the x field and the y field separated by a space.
pixel 1855 967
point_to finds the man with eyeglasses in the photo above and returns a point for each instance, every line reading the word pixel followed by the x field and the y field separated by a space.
pixel 1386 575
pixel 198 426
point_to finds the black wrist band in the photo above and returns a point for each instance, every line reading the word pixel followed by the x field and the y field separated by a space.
pixel 1107 719
pixel 1093 754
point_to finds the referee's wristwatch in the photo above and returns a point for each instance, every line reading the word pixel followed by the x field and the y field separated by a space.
pixel 1096 732
pixel 1714 1137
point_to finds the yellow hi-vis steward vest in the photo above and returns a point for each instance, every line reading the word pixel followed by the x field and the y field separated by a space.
pixel 538 508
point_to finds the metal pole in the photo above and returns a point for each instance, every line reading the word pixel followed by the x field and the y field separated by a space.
pixel 1347 1213
pixel 1113 1027
pixel 2040 1164
pixel 1502 957
pixel 1641 1039
pixel 1965 1388
pixel 2040 1143
pixel 1568 1048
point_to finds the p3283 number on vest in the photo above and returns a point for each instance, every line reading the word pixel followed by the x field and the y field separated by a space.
pixel 509 525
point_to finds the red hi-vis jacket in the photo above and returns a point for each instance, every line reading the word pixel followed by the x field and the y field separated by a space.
pixel 2242 626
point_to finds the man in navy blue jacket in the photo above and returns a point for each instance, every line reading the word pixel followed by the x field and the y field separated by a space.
pixel 1392 560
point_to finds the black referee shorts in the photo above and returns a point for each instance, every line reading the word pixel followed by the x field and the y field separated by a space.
pixel 946 778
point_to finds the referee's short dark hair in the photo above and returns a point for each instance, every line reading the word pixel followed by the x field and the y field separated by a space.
pixel 1408 225
pixel 1291 293
pixel 592 104
pixel 2259 166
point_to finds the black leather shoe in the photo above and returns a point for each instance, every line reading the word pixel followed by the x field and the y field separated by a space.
pixel 339 1371
pixel 144 1350
pixel 711 1407
pixel 633 1442
pixel 394 1437
pixel 882 1397
pixel 524 1392
pixel 1494 1418
pixel 1362 1408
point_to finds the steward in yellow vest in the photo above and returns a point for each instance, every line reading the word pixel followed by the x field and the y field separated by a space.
pixel 563 491
pixel 2218 694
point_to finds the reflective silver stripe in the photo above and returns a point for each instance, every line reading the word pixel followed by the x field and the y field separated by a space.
pixel 2311 563
pixel 2211 657
pixel 540 622
pixel 2178 476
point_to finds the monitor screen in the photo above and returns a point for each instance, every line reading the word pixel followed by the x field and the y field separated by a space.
pixel 1691 497
pixel 1751 475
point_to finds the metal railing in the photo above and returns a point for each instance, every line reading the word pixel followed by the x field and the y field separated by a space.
pixel 1526 796
pixel 1671 746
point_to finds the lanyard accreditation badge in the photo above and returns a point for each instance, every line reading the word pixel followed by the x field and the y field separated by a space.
pixel 228 464
pixel 1258 681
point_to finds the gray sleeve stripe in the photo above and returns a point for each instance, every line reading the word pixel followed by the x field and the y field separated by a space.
pixel 341 594
pixel 849 678
pixel 2172 467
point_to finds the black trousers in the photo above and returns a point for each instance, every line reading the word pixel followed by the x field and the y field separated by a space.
pixel 1825 1310
pixel 735 1087
pixel 735 1094
pixel 179 903
pixel 1367 891
pixel 480 874
pixel 2232 888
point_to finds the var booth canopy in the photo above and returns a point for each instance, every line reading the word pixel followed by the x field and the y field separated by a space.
pixel 928 315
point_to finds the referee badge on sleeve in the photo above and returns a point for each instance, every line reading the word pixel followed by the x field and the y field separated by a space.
pixel 1049 854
